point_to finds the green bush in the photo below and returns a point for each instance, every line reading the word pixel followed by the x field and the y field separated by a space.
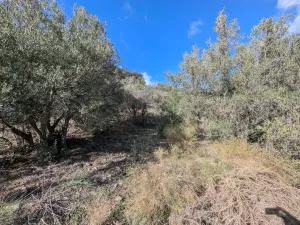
pixel 218 129
pixel 180 134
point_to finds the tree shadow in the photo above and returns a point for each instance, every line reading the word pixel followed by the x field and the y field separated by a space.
pixel 106 153
pixel 28 191
pixel 287 218
pixel 109 174
pixel 121 138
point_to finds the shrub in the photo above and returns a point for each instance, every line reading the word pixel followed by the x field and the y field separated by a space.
pixel 218 129
pixel 282 134
pixel 180 134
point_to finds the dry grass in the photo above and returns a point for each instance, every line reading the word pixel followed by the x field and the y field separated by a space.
pixel 99 210
pixel 160 188
pixel 7 211
pixel 241 154
pixel 225 183
pixel 51 206
pixel 242 198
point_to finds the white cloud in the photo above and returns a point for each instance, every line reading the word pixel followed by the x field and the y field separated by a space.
pixel 286 4
pixel 123 41
pixel 194 28
pixel 148 79
pixel 128 11
pixel 295 25
pixel 127 7
pixel 291 4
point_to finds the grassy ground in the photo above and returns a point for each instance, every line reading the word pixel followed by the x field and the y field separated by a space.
pixel 229 182
pixel 131 176
pixel 83 187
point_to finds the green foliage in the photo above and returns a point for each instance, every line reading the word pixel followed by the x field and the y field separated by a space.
pixel 218 129
pixel 180 134
pixel 54 69
pixel 283 133
pixel 136 96
pixel 171 115
pixel 247 90
pixel 140 100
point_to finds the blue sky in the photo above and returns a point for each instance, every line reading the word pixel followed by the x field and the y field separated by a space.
pixel 152 35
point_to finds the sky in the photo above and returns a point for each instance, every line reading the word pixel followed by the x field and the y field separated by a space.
pixel 151 36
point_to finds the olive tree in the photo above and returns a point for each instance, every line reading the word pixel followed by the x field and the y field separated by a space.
pixel 212 69
pixel 275 54
pixel 53 69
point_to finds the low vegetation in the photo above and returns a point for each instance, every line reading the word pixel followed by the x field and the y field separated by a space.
pixel 84 141
pixel 230 182
pixel 159 189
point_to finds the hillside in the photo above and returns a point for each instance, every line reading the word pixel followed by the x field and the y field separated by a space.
pixel 85 141
pixel 133 177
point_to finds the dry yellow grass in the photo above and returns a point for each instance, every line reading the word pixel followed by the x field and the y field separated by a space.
pixel 241 197
pixel 99 210
pixel 157 189
pixel 241 154
pixel 7 212
pixel 226 183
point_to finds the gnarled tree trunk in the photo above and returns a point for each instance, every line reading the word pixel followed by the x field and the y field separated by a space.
pixel 65 128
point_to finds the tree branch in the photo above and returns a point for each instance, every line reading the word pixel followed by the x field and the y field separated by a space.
pixel 51 128
pixel 6 140
pixel 35 127
pixel 27 137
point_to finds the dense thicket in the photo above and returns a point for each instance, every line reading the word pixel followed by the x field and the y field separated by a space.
pixel 55 69
pixel 247 88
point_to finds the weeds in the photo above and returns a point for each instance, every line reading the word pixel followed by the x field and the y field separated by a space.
pixel 7 211
pixel 241 198
pixel 99 210
pixel 158 189
pixel 224 183
pixel 239 153
pixel 180 134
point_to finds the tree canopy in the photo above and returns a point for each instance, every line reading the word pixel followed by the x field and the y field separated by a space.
pixel 54 69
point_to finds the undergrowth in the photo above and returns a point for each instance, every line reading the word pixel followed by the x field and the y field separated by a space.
pixel 228 182
pixel 7 211
pixel 175 180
